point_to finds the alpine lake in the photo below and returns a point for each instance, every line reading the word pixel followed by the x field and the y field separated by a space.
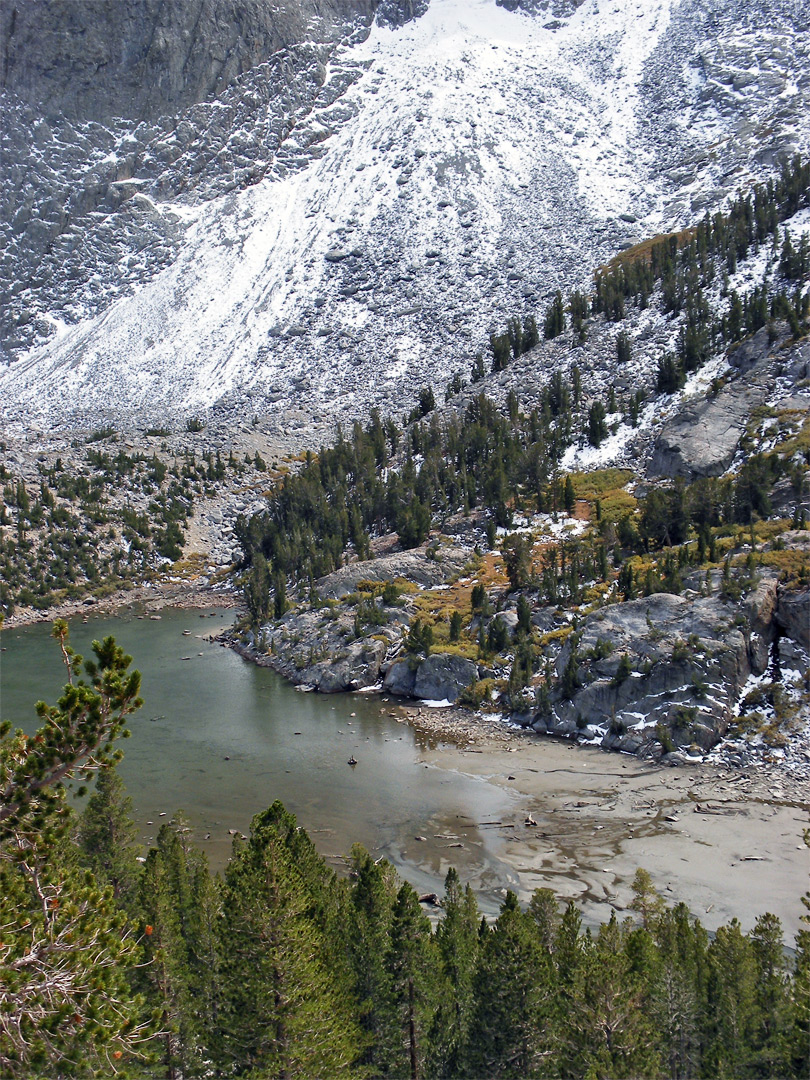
pixel 219 739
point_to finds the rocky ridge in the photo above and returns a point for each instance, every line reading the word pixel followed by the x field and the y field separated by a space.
pixel 260 245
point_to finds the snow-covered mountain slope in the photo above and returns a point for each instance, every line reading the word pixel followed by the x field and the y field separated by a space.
pixel 362 238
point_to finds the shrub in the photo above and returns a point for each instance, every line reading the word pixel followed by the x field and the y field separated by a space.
pixel 476 693
pixel 664 737
pixel 623 670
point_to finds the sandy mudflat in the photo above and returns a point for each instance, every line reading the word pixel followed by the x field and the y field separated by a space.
pixel 726 842
pixel 148 597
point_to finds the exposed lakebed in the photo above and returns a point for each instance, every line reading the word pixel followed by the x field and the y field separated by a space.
pixel 220 738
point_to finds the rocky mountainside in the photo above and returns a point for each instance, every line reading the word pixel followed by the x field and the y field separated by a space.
pixel 253 206
pixel 98 60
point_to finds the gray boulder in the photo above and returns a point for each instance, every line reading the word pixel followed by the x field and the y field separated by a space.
pixel 413 565
pixel 400 678
pixel 793 614
pixel 702 439
pixel 689 662
pixel 508 618
pixel 358 668
pixel 443 676
pixel 760 610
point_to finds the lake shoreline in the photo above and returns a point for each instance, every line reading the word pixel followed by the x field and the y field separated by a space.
pixel 726 841
pixel 151 596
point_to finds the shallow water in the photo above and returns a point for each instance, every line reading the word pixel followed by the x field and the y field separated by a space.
pixel 220 739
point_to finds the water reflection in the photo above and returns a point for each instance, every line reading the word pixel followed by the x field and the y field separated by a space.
pixel 220 739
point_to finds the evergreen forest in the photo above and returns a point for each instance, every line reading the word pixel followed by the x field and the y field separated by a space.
pixel 475 455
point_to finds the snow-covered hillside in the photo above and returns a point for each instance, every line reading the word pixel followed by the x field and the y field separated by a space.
pixel 438 178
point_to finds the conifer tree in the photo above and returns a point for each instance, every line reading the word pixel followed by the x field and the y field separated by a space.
pixel 555 317
pixel 772 1002
pixel 414 969
pixel 457 939
pixel 164 902
pixel 799 1036
pixel 597 426
pixel 373 897
pixel 544 911
pixel 517 554
pixel 609 1027
pixel 508 1035
pixel 65 1004
pixel 107 837
pixel 288 1011
pixel 732 993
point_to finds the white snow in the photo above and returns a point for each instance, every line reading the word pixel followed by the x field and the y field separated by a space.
pixel 473 166
pixel 478 91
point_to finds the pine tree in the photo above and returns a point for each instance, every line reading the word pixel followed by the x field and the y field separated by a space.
pixel 457 939
pixel 555 317
pixel 508 1035
pixel 65 1004
pixel 372 900
pixel 414 969
pixel 288 1010
pixel 623 348
pixel 517 554
pixel 107 837
pixel 679 997
pixel 597 426
pixel 772 1001
pixel 732 994
pixel 799 1035
pixel 164 903
pixel 569 496
pixel 609 1028
pixel 544 911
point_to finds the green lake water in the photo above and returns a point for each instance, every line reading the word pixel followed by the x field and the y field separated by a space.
pixel 220 739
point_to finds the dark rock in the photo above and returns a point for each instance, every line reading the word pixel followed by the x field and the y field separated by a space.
pixel 703 437
pixel 400 678
pixel 760 609
pixel 690 664
pixel 358 668
pixel 442 677
pixel 147 58
pixel 749 353
pixel 793 614
pixel 396 13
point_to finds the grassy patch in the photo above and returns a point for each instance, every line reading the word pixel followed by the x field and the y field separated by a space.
pixel 642 252
pixel 560 635
pixel 467 649
pixel 437 607
pixel 799 441
pixel 191 565
pixel 607 487
pixel 791 564
pixel 596 484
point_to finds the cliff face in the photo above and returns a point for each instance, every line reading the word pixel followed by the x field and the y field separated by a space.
pixel 96 59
